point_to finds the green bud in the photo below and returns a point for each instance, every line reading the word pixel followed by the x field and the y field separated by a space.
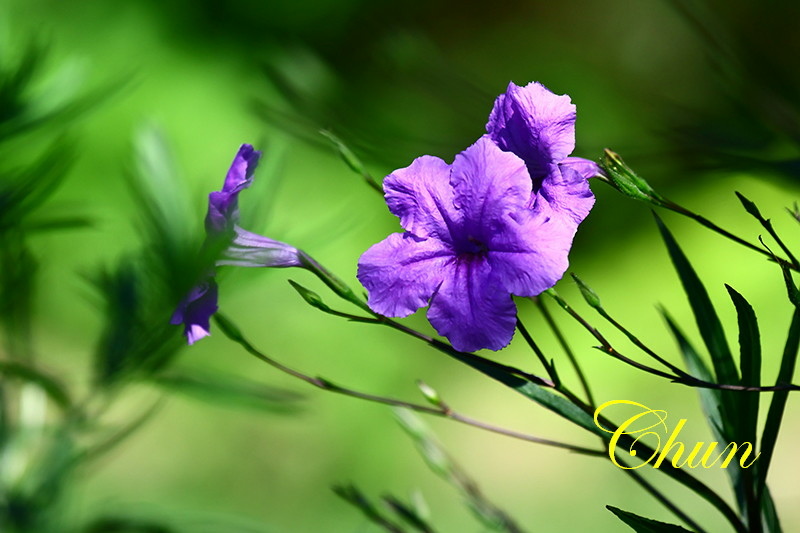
pixel 588 294
pixel 311 297
pixel 430 394
pixel 626 181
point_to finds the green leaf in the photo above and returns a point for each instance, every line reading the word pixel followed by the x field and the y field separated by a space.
pixel 525 386
pixel 29 373
pixel 709 398
pixel 641 524
pixel 356 498
pixel 229 390
pixel 710 330
pixel 769 513
pixel 777 406
pixel 750 363
pixel 408 514
pixel 751 208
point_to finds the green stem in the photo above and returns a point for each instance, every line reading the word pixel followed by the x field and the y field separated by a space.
pixel 565 346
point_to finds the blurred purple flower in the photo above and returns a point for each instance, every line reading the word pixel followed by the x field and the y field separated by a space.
pixel 238 246
pixel 499 221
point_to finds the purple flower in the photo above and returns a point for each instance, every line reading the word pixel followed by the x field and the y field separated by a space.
pixel 539 127
pixel 499 221
pixel 471 241
pixel 237 246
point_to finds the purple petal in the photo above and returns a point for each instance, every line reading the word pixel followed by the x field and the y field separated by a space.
pixel 567 195
pixel 534 124
pixel 421 196
pixel 223 210
pixel 402 272
pixel 586 168
pixel 472 308
pixel 530 256
pixel 488 183
pixel 195 311
pixel 253 250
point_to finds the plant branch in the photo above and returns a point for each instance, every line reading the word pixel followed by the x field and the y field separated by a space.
pixel 441 410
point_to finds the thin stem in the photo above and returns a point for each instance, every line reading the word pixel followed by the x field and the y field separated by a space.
pixel 442 410
pixel 710 225
pixel 680 376
pixel 675 473
pixel 548 366
pixel 565 346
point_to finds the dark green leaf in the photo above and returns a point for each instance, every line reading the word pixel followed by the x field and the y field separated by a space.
pixel 356 498
pixel 641 524
pixel 710 330
pixel 409 515
pixel 772 426
pixel 529 389
pixel 709 398
pixel 239 392
pixel 769 513
pixel 750 363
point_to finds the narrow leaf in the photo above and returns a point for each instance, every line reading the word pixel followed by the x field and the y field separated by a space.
pixel 409 515
pixel 641 524
pixel 709 398
pixel 356 498
pixel 777 406
pixel 710 330
pixel 750 363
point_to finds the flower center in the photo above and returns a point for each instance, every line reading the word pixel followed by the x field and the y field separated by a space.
pixel 472 246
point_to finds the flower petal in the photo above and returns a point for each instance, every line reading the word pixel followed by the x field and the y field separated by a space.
pixel 530 256
pixel 402 272
pixel 585 167
pixel 222 205
pixel 488 183
pixel 534 124
pixel 195 311
pixel 420 195
pixel 253 250
pixel 567 194
pixel 472 308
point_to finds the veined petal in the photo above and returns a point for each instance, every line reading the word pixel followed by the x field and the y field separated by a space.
pixel 253 250
pixel 472 308
pixel 402 272
pixel 567 194
pixel 488 183
pixel 534 124
pixel 223 208
pixel 585 167
pixel 421 196
pixel 195 311
pixel 530 256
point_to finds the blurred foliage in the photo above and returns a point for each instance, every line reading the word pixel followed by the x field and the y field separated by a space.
pixel 679 87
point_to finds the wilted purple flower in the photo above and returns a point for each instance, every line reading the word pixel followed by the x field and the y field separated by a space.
pixel 237 246
pixel 539 127
pixel 471 241
pixel 499 221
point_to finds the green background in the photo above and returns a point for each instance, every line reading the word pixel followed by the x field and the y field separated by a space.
pixel 396 80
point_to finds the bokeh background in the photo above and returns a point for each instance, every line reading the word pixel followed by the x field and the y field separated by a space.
pixel 701 98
